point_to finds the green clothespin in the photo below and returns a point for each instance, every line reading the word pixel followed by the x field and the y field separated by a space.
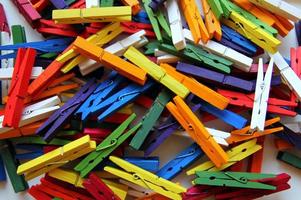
pixel 149 120
pixel 226 8
pixel 289 158
pixel 216 8
pixel 18 33
pixel 67 133
pixel 106 147
pixel 56 198
pixel 197 55
pixel 48 55
pixel 11 164
pixel 106 3
pixel 69 2
pixel 151 46
pixel 233 179
pixel 38 140
pixel 157 19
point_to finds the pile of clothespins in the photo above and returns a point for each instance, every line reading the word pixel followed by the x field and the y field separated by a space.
pixel 70 101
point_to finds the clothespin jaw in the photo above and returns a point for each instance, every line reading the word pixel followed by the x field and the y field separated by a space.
pixel 233 179
pixel 145 179
pixel 57 157
pixel 197 131
pixel 106 147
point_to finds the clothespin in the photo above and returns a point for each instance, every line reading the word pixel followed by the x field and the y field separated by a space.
pixel 235 154
pixel 38 194
pixel 175 24
pixel 49 27
pixel 298 32
pixel 134 27
pixel 28 11
pixel 158 73
pixel 233 179
pixel 145 179
pixel 92 3
pixel 240 60
pixel 198 55
pixel 243 134
pixel 90 15
pixel 195 21
pixel 216 8
pixel 296 66
pixel 106 147
pixel 261 97
pixel 151 118
pixel 281 8
pixel 35 112
pixel 137 40
pixel 197 131
pixel 136 190
pixel 157 20
pixel 289 158
pixel 2 170
pixel 195 87
pixel 98 189
pixel 62 116
pixel 180 162
pixel 18 89
pixel 290 77
pixel 18 33
pixel 56 158
pixel 3 21
pixel 59 4
pixel 155 4
pixel 39 140
pixel 7 73
pixel 134 4
pixel 141 17
pixel 147 163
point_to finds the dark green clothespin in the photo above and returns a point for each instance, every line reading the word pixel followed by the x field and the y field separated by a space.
pixel 233 179
pixel 157 19
pixel 67 133
pixel 151 47
pixel 150 119
pixel 289 158
pixel 18 33
pixel 106 3
pixel 38 140
pixel 197 55
pixel 48 55
pixel 11 164
pixel 69 2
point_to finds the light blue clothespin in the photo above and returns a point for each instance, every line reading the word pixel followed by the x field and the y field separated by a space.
pixel 148 163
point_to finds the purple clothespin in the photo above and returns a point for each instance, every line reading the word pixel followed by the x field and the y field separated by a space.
pixel 298 31
pixel 62 116
pixel 59 4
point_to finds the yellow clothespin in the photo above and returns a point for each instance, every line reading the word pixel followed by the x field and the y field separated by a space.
pixel 155 71
pixel 145 179
pixel 57 157
pixel 70 176
pixel 235 154
pixel 90 15
pixel 100 38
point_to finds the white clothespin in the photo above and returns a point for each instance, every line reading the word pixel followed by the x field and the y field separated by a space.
pixel 137 40
pixel 7 73
pixel 163 57
pixel 262 92
pixel 175 23
pixel 35 112
pixel 290 77
pixel 281 8
pixel 92 3
pixel 240 61
pixel 136 190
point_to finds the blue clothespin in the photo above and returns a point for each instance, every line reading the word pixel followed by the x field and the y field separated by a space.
pixel 236 38
pixel 298 32
pixel 180 162
pixel 29 155
pixel 2 170
pixel 102 91
pixel 148 163
pixel 59 4
pixel 119 99
pixel 31 151
pixel 290 136
pixel 63 115
pixel 141 17
pixel 225 115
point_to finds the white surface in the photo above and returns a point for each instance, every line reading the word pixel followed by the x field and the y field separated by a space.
pixel 271 165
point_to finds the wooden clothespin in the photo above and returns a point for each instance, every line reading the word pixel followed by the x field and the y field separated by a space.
pixel 7 73
pixel 158 73
pixel 289 158
pixel 235 154
pixel 106 147
pixel 21 131
pixel 195 21
pixel 4 27
pixel 296 66
pixel 145 179
pixel 92 3
pixel 155 4
pixel 18 89
pixel 216 8
pixel 56 158
pixel 134 27
pixel 59 4
pixel 48 27
pixel 26 8
pixel 197 131
pixel 134 4
pixel 90 15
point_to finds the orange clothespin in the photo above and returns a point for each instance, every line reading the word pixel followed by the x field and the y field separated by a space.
pixel 212 23
pixel 195 21
pixel 40 5
pixel 18 88
pixel 197 88
pixel 256 159
pixel 135 5
pixel 197 131
pixel 112 61
pixel 242 134
pixel 282 145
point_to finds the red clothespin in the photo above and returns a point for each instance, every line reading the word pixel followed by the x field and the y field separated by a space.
pixel 296 66
pixel 134 27
pixel 246 100
pixel 35 192
pixel 144 101
pixel 97 132
pixel 3 20
pixel 28 11
pixel 48 27
pixel 94 28
pixel 78 4
pixel 98 189
pixel 256 159
pixel 18 88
